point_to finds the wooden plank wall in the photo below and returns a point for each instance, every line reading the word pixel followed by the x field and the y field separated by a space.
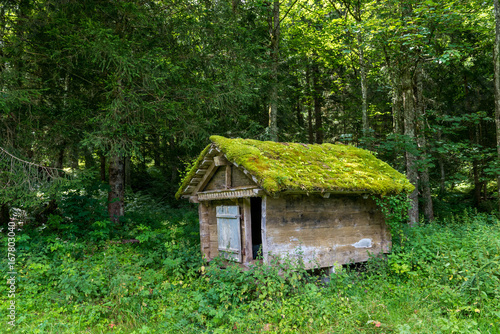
pixel 325 230
pixel 203 212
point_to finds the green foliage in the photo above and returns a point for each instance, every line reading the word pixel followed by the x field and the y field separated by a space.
pixel 443 279
pixel 395 210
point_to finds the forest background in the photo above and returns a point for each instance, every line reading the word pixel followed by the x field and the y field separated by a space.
pixel 115 98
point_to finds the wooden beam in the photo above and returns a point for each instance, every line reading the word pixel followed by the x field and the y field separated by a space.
pixel 221 161
pixel 204 180
pixel 247 231
pixel 218 195
pixel 200 172
pixel 265 249
pixel 206 162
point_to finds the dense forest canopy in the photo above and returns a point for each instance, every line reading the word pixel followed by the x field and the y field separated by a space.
pixel 133 89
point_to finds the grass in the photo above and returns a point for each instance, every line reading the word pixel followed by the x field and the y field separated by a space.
pixel 442 278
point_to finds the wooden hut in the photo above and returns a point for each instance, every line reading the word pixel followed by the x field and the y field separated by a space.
pixel 290 199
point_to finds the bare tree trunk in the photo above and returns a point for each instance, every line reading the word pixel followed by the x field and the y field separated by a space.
pixel 397 106
pixel 274 30
pixel 116 192
pixel 364 94
pixel 318 120
pixel 496 57
pixel 409 131
pixel 422 144
pixel 309 107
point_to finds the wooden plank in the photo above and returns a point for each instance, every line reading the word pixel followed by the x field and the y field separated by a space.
pixel 209 172
pixel 247 231
pixel 325 231
pixel 206 162
pixel 265 246
pixel 221 161
pixel 204 231
pixel 200 172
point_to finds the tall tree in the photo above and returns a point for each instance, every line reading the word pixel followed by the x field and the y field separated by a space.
pixel 496 61
pixel 274 32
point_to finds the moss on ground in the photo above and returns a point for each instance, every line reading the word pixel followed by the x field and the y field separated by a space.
pixel 311 168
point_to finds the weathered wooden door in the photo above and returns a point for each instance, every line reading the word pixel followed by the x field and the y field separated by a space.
pixel 228 231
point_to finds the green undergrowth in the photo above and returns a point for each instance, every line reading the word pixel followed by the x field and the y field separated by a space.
pixel 442 278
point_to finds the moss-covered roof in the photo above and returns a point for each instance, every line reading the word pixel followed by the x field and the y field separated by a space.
pixel 297 167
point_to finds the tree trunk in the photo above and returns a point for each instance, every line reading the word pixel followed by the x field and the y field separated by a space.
pixel 477 183
pixel 298 113
pixel 409 131
pixel 310 129
pixel 75 157
pixel 474 141
pixel 156 151
pixel 89 159
pixel 364 94
pixel 116 192
pixel 397 103
pixel 318 120
pixel 422 144
pixel 274 30
pixel 496 57
pixel 60 158
pixel 102 159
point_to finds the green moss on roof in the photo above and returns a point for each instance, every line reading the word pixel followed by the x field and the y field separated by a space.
pixel 191 172
pixel 312 168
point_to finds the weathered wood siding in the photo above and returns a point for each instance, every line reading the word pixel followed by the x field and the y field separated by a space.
pixel 239 179
pixel 326 231
pixel 218 181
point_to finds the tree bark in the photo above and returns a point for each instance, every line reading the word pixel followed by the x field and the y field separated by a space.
pixel 364 92
pixel 310 129
pixel 422 144
pixel 496 60
pixel 397 103
pixel 409 131
pixel 116 192
pixel 318 119
pixel 274 31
